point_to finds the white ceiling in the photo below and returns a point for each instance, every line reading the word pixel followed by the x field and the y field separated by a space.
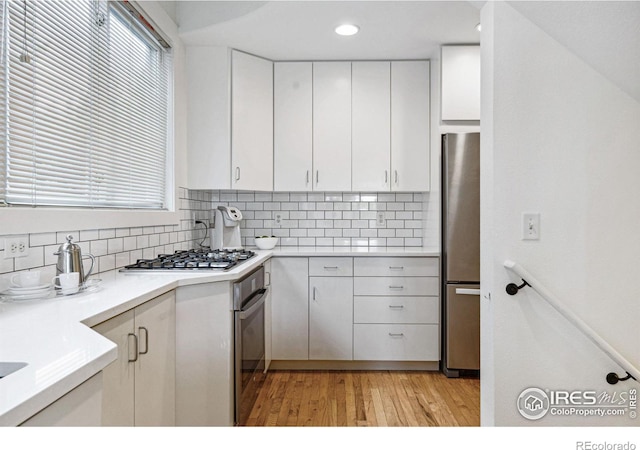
pixel 605 34
pixel 299 30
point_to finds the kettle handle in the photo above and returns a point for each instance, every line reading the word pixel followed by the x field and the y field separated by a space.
pixel 93 262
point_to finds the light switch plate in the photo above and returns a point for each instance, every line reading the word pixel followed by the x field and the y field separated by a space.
pixel 530 226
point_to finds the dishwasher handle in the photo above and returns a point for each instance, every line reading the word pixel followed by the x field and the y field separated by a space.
pixel 463 291
pixel 256 302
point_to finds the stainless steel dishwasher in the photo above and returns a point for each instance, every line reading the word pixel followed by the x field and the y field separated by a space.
pixel 249 346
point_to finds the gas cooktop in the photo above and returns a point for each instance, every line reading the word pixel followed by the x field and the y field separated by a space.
pixel 195 259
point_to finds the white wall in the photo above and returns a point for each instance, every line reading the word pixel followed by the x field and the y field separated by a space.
pixel 558 139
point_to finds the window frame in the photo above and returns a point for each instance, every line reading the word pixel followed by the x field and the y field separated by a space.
pixel 24 219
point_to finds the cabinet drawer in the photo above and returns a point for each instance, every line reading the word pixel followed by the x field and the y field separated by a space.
pixel 394 267
pixel 388 342
pixel 395 286
pixel 331 267
pixel 417 310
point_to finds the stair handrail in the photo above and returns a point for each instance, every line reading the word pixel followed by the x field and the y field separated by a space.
pixel 533 283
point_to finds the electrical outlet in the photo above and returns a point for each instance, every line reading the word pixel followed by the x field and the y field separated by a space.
pixel 278 219
pixel 16 247
pixel 530 226
pixel 380 218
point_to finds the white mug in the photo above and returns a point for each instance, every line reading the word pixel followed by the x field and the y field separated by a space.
pixel 69 282
pixel 26 279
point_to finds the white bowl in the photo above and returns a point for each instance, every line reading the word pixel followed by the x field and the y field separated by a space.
pixel 266 243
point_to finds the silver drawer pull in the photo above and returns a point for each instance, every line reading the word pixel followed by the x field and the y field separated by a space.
pixel 135 341
pixel 331 267
pixel 396 334
pixel 396 287
pixel 396 306
pixel 396 267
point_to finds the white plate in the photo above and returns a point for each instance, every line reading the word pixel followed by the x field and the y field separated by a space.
pixel 42 295
pixel 17 289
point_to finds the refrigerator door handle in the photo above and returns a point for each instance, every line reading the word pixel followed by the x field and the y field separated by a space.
pixel 462 291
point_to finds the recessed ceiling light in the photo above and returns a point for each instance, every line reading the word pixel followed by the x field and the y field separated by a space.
pixel 479 27
pixel 347 29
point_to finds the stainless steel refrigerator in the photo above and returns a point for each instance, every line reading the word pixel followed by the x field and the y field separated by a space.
pixel 461 254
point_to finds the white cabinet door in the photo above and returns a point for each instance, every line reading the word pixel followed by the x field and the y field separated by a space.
pixel 77 408
pixel 289 308
pixel 331 318
pixel 251 122
pixel 204 355
pixel 410 159
pixel 267 315
pixel 371 103
pixel 332 126
pixel 292 126
pixel 155 379
pixel 208 80
pixel 118 377
pixel 460 82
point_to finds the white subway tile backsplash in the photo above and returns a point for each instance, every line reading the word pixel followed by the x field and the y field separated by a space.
pixel 107 234
pixel 368 197
pixel 306 219
pixel 115 245
pixel 100 247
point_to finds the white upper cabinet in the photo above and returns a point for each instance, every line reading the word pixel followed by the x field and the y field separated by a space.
pixel 371 103
pixel 410 158
pixel 460 81
pixel 251 122
pixel 332 126
pixel 208 71
pixel 292 125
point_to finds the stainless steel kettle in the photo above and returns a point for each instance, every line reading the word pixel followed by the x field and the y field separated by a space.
pixel 70 260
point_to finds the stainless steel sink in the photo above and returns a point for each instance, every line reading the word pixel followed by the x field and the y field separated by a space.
pixel 7 368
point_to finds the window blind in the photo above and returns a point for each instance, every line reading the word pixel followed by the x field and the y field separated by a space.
pixel 86 109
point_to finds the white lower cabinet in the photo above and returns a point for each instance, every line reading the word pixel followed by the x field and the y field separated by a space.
pixel 139 387
pixel 343 308
pixel 290 308
pixel 204 355
pixel 330 318
pixel 396 318
pixel 81 407
pixel 395 342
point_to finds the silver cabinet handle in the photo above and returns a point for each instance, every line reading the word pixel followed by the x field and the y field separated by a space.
pixel 146 340
pixel 462 291
pixel 314 293
pixel 396 306
pixel 396 267
pixel 317 177
pixel 396 334
pixel 135 340
pixel 331 267
pixel 396 175
pixel 307 177
pixel 267 278
pixel 237 173
pixel 396 287
pixel 386 177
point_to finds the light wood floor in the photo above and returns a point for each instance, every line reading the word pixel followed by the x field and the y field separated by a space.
pixel 366 398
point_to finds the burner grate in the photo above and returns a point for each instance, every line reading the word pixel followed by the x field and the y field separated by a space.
pixel 201 259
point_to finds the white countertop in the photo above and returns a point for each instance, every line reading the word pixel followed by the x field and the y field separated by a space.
pixel 355 251
pixel 55 339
